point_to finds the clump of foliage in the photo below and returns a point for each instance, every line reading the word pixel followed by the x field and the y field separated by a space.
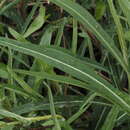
pixel 64 64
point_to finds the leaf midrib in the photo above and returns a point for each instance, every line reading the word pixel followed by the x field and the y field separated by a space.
pixel 68 65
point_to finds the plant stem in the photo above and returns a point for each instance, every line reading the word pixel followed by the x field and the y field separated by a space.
pixel 119 31
pixel 30 119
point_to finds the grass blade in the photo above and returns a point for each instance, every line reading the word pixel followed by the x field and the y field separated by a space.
pixel 53 77
pixel 73 66
pixel 119 31
pixel 83 108
pixel 88 21
pixel 60 32
pixel 75 36
pixel 111 118
pixel 12 115
pixel 30 17
pixel 52 108
pixel 15 89
pixel 24 85
pixel 37 23
pixel 125 6
pixel 7 7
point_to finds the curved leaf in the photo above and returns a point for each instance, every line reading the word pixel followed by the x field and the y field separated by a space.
pixel 37 23
pixel 89 22
pixel 75 67
pixel 6 113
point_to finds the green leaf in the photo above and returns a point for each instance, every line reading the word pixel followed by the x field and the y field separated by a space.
pixel 24 85
pixel 121 119
pixel 30 17
pixel 125 6
pixel 90 23
pixel 15 89
pixel 100 9
pixel 64 124
pixel 53 77
pixel 61 59
pixel 83 107
pixel 16 57
pixel 37 23
pixel 60 32
pixel 120 31
pixel 45 105
pixel 75 36
pixel 16 35
pixel 7 127
pixel 40 65
pixel 127 35
pixel 47 36
pixel 8 6
pixel 52 108
pixel 6 113
pixel 3 71
pixel 111 118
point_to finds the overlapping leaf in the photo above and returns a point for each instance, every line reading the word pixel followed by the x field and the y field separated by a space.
pixel 75 67
pixel 90 23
